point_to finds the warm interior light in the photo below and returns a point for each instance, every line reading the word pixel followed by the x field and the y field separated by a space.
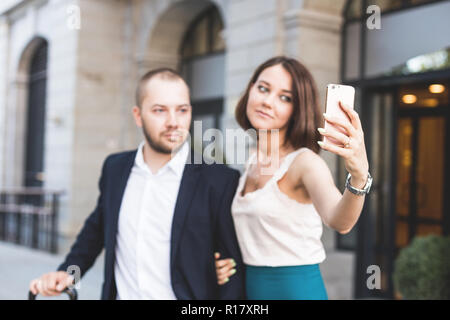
pixel 409 98
pixel 431 102
pixel 436 88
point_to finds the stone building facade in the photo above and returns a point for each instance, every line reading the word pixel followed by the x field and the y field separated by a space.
pixel 97 49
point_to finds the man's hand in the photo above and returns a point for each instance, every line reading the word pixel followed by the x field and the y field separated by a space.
pixel 51 284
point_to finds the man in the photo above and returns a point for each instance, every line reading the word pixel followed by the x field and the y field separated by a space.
pixel 159 216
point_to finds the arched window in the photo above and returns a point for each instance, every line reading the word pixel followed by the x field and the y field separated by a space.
pixel 204 37
pixel 35 128
pixel 203 67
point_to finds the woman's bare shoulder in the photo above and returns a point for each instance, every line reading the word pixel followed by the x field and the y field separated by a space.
pixel 306 161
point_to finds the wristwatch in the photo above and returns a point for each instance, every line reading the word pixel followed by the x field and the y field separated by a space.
pixel 357 191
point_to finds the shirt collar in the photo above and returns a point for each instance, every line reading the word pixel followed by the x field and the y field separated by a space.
pixel 176 164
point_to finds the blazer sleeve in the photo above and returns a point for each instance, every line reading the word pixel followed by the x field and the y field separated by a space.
pixel 90 241
pixel 227 244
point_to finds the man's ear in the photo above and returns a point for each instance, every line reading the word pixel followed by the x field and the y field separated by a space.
pixel 137 116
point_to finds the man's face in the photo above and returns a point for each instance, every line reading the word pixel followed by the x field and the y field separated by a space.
pixel 165 114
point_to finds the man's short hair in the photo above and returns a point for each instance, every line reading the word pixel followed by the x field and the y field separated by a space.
pixel 163 73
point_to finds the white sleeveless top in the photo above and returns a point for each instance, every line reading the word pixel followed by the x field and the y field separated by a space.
pixel 272 228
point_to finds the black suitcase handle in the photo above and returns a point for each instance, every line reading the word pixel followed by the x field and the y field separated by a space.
pixel 71 292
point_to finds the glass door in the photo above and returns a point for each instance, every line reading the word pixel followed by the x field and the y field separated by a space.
pixel 407 139
pixel 376 232
pixel 421 140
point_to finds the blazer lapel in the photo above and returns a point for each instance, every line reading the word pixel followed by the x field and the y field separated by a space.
pixel 185 195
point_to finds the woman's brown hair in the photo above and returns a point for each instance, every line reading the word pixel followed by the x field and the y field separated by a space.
pixel 306 116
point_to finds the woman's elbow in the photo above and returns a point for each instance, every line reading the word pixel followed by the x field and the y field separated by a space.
pixel 340 228
pixel 344 231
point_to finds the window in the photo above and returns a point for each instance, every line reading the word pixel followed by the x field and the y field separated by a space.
pixel 203 67
pixel 204 36
pixel 354 10
pixel 433 61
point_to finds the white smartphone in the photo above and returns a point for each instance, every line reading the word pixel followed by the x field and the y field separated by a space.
pixel 336 93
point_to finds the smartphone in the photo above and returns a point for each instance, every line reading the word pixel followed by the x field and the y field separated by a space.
pixel 336 93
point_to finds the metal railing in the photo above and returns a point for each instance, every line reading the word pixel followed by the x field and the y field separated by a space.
pixel 29 217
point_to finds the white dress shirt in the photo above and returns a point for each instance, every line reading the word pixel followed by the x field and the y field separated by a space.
pixel 272 228
pixel 142 266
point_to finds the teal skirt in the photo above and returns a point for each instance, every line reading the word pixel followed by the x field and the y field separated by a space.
pixel 285 283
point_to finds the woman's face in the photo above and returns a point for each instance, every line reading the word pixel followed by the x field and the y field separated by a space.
pixel 270 99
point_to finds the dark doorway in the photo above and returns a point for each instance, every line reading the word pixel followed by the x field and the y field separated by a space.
pixel 35 129
pixel 203 67
pixel 35 224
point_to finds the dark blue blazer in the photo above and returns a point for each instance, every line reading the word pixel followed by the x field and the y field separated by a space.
pixel 202 224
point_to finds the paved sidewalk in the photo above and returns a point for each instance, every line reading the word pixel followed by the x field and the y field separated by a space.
pixel 19 265
pixel 337 272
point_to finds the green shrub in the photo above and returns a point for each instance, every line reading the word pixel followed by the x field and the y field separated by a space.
pixel 422 269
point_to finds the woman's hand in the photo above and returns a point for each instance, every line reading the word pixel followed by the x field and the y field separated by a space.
pixel 224 269
pixel 353 149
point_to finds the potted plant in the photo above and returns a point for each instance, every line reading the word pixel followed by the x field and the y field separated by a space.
pixel 422 269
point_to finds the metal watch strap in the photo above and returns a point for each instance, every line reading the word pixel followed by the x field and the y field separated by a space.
pixel 357 191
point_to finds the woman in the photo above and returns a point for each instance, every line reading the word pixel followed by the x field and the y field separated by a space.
pixel 287 190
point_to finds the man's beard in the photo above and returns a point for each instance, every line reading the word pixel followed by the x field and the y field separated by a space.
pixel 159 147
